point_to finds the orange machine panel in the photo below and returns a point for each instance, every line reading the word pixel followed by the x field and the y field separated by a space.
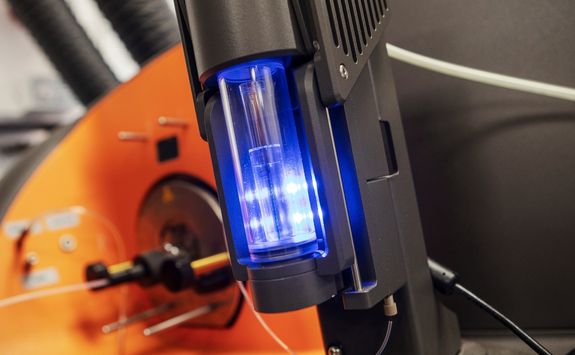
pixel 82 203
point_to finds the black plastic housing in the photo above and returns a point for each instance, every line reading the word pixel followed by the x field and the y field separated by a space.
pixel 249 30
pixel 274 285
pixel 345 153
pixel 223 33
pixel 349 123
pixel 219 33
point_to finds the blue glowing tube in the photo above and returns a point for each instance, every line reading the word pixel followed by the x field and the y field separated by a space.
pixel 274 194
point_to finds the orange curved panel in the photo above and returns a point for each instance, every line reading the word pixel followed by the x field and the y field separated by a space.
pixel 109 178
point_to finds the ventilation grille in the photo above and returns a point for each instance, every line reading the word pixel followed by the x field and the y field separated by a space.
pixel 354 23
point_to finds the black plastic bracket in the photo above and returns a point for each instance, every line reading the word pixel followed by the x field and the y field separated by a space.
pixel 344 35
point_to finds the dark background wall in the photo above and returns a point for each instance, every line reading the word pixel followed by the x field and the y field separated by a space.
pixel 494 169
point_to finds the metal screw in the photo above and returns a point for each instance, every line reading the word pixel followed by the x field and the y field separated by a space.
pixel 171 121
pixel 179 319
pixel 132 136
pixel 334 350
pixel 68 243
pixel 31 258
pixel 343 71
pixel 315 45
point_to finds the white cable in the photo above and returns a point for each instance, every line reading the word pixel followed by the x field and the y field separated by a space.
pixel 262 321
pixel 386 338
pixel 481 76
pixel 25 297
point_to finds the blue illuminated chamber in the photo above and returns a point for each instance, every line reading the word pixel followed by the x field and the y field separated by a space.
pixel 279 211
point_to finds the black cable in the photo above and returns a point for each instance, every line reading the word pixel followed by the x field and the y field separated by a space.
pixel 147 27
pixel 67 46
pixel 23 126
pixel 533 344
pixel 446 281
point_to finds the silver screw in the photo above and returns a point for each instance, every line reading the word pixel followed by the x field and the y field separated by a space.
pixel 343 71
pixel 132 136
pixel 31 258
pixel 334 350
pixel 68 243
pixel 171 121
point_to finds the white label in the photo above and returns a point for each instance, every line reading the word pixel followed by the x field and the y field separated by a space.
pixel 14 229
pixel 62 220
pixel 40 278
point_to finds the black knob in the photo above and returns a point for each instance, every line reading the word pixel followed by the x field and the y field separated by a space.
pixel 97 271
pixel 177 274
pixel 215 280
pixel 151 262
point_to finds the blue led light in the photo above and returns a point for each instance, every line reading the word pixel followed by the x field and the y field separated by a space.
pixel 277 211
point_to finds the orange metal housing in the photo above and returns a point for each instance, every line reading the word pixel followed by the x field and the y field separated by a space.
pixel 92 168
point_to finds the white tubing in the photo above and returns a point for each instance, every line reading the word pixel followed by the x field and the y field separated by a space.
pixel 25 297
pixel 386 338
pixel 262 321
pixel 481 76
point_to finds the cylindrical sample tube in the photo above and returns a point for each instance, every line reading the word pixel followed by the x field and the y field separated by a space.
pixel 273 191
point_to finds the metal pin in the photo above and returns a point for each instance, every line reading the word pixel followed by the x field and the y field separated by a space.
pixel 343 71
pixel 132 136
pixel 355 274
pixel 171 121
pixel 112 327
pixel 179 319
pixel 356 277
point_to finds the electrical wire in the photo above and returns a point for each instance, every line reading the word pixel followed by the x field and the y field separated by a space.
pixel 386 338
pixel 446 282
pixel 533 344
pixel 481 76
pixel 262 321
pixel 30 296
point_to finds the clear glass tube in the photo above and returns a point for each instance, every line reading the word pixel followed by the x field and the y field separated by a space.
pixel 274 193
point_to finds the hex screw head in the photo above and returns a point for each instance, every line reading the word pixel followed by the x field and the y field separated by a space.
pixel 343 71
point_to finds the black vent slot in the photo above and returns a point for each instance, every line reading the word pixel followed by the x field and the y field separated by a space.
pixel 361 18
pixel 349 32
pixel 379 7
pixel 332 24
pixel 353 23
pixel 337 23
pixel 347 15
